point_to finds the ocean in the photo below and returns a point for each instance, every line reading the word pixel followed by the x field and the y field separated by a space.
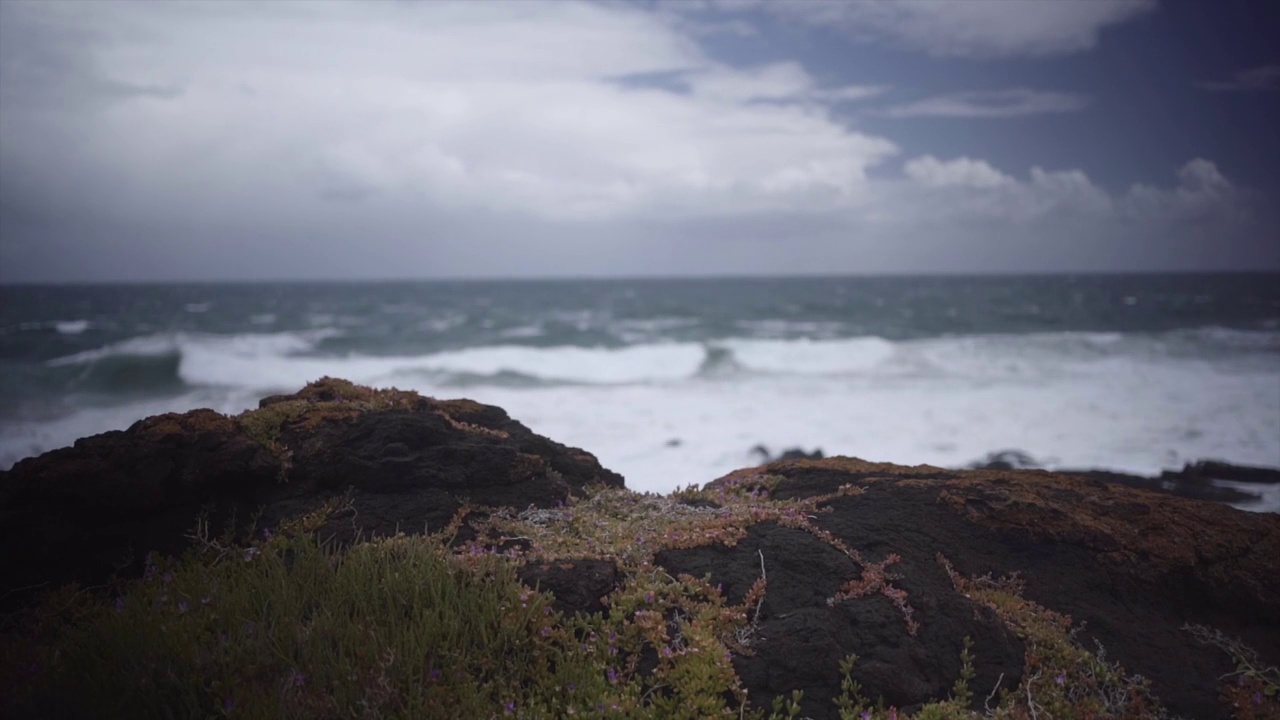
pixel 674 382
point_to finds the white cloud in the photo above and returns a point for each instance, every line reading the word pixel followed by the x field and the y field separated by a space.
pixel 782 82
pixel 508 106
pixel 1202 193
pixel 961 172
pixel 972 28
pixel 1264 78
pixel 1014 102
pixel 965 187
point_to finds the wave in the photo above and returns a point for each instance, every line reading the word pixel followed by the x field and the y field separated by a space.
pixel 282 361
pixel 71 327
pixel 167 361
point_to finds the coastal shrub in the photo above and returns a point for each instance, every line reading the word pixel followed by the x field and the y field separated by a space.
pixel 1062 678
pixel 1252 690
pixel 406 626
pixel 289 628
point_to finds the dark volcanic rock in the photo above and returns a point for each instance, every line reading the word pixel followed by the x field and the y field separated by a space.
pixel 1006 460
pixel 578 585
pixel 801 639
pixel 795 453
pixel 82 512
pixel 1197 480
pixel 1133 566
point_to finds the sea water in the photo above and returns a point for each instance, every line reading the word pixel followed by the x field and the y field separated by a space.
pixel 673 382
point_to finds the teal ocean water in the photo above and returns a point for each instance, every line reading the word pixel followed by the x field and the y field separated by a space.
pixel 674 381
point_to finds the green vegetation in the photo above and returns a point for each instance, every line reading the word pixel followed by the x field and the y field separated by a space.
pixel 427 627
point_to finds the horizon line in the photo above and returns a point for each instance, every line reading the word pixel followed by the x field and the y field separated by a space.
pixel 628 278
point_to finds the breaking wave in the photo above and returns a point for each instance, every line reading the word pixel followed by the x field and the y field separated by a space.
pixel 281 361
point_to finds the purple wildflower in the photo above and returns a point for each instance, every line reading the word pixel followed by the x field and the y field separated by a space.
pixel 120 604
pixel 648 597
pixel 182 606
pixel 509 708
pixel 295 678
pixel 168 577
pixel 612 675
pixel 1061 679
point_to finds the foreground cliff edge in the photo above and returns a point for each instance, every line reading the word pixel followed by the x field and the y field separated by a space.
pixel 349 552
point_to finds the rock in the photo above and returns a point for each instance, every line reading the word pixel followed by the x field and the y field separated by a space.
pixel 578 586
pixel 1217 470
pixel 1132 566
pixel 800 454
pixel 794 453
pixel 83 512
pixel 1006 460
pixel 1129 565
pixel 1198 480
pixel 801 639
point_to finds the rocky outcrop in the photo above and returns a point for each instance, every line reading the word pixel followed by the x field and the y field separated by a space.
pixel 857 557
pixel 1132 566
pixel 801 638
pixel 410 462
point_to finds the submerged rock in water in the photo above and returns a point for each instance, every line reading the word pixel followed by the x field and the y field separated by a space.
pixel 1006 460
pixel 795 453
pixel 1202 480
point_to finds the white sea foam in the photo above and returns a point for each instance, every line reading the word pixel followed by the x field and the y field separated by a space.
pixel 253 346
pixel 523 331
pixel 71 327
pixel 1071 399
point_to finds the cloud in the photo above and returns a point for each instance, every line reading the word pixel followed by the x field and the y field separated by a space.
pixel 968 187
pixel 145 140
pixel 1015 102
pixel 974 28
pixel 961 172
pixel 1264 78
pixel 781 82
pixel 462 104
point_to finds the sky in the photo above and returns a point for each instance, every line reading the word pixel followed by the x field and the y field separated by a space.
pixel 153 141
